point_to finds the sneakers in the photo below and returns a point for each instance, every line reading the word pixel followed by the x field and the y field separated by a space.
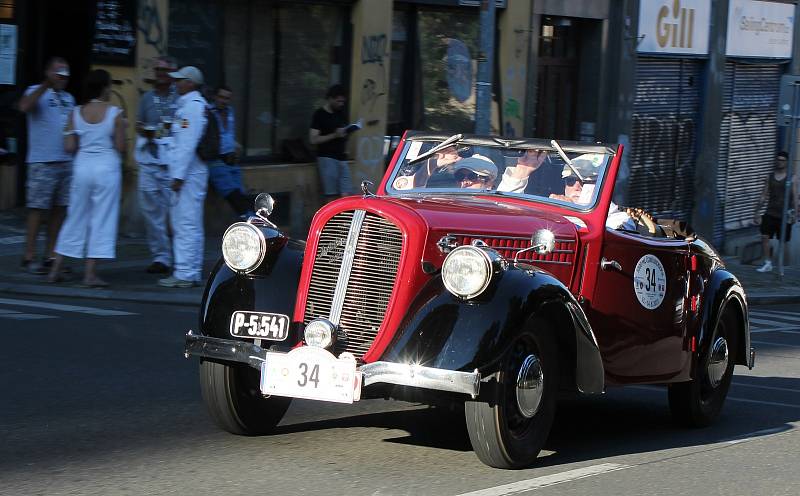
pixel 157 268
pixel 174 282
pixel 767 267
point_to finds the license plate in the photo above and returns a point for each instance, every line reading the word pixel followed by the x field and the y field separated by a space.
pixel 260 325
pixel 311 373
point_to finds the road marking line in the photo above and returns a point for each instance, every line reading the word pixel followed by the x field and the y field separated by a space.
pixel 777 313
pixel 770 322
pixel 548 480
pixel 771 403
pixel 774 388
pixel 63 308
pixel 788 330
pixel 26 316
pixel 779 345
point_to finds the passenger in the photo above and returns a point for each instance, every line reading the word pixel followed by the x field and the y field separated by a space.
pixel 533 174
pixel 475 172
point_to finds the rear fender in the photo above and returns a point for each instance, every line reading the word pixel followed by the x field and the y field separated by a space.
pixel 443 331
pixel 722 293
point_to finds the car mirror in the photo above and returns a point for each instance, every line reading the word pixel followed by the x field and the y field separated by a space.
pixel 264 204
pixel 543 241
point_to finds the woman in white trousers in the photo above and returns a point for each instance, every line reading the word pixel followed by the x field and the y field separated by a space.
pixel 96 134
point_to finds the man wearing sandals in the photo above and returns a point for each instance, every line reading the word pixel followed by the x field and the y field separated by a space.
pixel 46 107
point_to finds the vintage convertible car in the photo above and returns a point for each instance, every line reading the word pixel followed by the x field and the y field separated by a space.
pixel 488 272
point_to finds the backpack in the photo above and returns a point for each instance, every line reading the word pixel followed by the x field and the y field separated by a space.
pixel 209 145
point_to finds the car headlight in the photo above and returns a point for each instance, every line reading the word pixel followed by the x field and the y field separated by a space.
pixel 243 247
pixel 320 333
pixel 467 271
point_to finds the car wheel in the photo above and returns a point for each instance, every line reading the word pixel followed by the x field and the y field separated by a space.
pixel 233 398
pixel 698 403
pixel 510 420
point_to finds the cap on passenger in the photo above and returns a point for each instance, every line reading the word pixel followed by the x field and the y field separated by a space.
pixel 189 72
pixel 479 165
pixel 588 166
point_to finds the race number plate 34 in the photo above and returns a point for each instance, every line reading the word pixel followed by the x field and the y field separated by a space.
pixel 311 373
pixel 260 325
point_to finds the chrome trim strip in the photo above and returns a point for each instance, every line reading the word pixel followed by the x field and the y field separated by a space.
pixel 421 377
pixel 515 238
pixel 347 265
pixel 376 372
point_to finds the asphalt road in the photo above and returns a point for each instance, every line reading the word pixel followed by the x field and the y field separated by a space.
pixel 96 398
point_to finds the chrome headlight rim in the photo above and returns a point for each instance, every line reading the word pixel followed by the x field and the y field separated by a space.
pixel 488 257
pixel 262 247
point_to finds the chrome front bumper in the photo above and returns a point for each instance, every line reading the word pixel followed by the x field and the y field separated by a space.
pixel 400 374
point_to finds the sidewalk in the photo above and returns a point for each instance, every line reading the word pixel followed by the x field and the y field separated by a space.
pixel 767 288
pixel 129 282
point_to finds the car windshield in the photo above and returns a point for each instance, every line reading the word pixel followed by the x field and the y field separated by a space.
pixel 535 169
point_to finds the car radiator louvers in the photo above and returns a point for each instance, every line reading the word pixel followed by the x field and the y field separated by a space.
pixel 353 276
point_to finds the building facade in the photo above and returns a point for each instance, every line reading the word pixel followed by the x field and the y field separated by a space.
pixel 690 87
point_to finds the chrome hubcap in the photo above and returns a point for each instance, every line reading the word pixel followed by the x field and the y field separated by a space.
pixel 530 386
pixel 718 362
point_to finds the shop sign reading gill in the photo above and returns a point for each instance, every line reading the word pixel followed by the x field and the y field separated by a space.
pixel 674 26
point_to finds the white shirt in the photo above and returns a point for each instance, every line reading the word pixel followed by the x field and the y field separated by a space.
pixel 187 129
pixel 46 123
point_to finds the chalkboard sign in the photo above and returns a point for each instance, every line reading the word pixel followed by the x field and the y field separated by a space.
pixel 115 32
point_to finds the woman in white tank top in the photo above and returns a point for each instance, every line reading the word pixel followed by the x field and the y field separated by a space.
pixel 96 134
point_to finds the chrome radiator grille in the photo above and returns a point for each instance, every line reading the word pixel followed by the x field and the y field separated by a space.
pixel 354 294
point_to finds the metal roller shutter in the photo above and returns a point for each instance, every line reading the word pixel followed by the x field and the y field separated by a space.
pixel 664 136
pixel 748 137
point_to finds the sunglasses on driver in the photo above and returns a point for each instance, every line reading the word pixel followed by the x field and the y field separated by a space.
pixel 571 180
pixel 467 175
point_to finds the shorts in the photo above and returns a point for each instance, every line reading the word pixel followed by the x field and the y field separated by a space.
pixel 225 179
pixel 771 227
pixel 334 176
pixel 47 184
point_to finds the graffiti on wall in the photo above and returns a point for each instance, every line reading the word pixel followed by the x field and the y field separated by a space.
pixel 373 90
pixel 662 164
pixel 151 27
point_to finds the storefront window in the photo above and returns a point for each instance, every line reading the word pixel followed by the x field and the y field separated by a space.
pixel 449 42
pixel 278 58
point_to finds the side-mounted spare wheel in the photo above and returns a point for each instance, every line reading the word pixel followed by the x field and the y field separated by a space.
pixel 698 403
pixel 510 420
pixel 233 398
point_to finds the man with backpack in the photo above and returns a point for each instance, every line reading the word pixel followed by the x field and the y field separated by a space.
pixel 189 175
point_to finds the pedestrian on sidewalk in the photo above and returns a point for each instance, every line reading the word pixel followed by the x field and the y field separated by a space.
pixel 153 124
pixel 329 133
pixel 224 173
pixel 46 107
pixel 773 194
pixel 189 175
pixel 96 134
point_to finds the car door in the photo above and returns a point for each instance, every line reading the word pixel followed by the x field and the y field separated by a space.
pixel 638 308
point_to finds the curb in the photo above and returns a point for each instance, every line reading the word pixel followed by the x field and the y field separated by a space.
pixel 104 294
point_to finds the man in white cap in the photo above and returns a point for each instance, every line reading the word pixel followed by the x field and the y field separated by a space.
pixel 154 119
pixel 189 176
pixel 47 107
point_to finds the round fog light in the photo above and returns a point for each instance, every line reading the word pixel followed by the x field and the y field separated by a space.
pixel 319 333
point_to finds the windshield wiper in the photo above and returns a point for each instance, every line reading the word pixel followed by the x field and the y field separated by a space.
pixel 452 140
pixel 567 160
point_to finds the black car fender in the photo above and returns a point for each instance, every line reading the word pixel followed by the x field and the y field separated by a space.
pixel 272 287
pixel 722 292
pixel 443 331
